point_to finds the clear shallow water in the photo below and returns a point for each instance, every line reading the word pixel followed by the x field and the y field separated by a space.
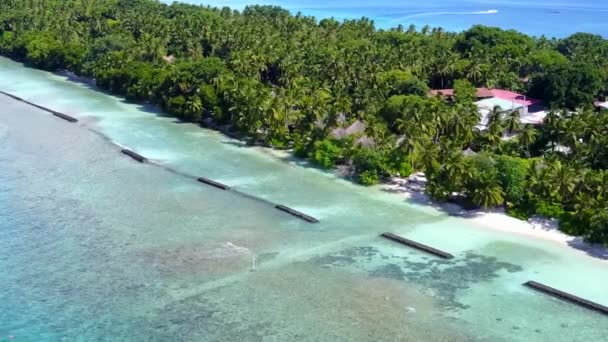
pixel 98 247
pixel 539 17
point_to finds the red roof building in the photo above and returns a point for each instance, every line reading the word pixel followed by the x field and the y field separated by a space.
pixel 498 93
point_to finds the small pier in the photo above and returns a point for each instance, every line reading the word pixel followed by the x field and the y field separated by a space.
pixel 213 183
pixel 418 246
pixel 567 297
pixel 136 156
pixel 296 213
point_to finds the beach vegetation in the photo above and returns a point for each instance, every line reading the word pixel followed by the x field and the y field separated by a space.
pixel 327 153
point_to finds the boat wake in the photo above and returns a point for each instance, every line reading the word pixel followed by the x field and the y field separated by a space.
pixel 490 11
pixel 430 14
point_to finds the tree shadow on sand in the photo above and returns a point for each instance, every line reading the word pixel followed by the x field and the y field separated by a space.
pixel 592 250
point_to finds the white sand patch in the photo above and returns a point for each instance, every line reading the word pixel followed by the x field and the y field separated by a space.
pixel 497 220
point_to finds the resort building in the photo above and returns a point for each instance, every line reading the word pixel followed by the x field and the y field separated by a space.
pixel 601 105
pixel 532 111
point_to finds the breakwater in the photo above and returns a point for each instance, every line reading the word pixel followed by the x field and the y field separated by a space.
pixel 138 157
pixel 213 183
pixel 417 245
pixel 55 113
pixel 553 292
pixel 141 159
pixel 296 213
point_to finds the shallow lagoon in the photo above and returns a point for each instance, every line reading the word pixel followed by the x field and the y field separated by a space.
pixel 98 247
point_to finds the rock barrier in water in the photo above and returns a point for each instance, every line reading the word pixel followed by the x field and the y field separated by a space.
pixel 65 117
pixel 417 245
pixel 12 96
pixel 138 157
pixel 566 297
pixel 296 213
pixel 213 183
pixel 57 114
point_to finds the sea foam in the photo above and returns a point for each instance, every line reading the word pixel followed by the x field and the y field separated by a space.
pixel 430 14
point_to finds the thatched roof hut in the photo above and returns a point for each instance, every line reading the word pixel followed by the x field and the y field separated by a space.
pixel 354 128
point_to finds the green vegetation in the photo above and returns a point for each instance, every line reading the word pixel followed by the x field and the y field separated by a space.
pixel 290 81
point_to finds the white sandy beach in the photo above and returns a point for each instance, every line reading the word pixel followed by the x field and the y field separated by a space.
pixel 498 220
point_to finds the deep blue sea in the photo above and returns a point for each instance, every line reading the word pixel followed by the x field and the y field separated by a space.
pixel 552 18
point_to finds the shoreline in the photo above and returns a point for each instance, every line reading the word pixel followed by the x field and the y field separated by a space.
pixel 141 159
pixel 497 220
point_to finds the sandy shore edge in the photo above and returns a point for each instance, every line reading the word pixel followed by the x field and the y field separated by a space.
pixel 498 220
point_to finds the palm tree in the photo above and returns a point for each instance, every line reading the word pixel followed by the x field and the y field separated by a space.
pixel 495 115
pixel 429 155
pixel 528 137
pixel 570 133
pixel 564 179
pixel 537 180
pixel 494 134
pixel 474 73
pixel 457 169
pixel 554 125
pixel 410 147
pixel 512 121
pixel 488 195
pixel 446 68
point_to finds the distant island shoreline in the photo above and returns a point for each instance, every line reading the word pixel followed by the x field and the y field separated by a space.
pixel 451 16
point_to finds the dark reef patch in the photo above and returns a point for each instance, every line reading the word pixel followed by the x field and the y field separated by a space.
pixel 442 278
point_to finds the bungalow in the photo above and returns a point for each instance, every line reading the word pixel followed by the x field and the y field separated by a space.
pixel 531 110
pixel 357 127
pixel 485 93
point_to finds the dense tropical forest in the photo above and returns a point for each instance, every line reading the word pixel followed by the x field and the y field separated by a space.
pixel 290 81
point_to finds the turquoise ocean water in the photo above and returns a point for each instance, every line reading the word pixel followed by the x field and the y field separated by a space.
pixel 553 18
pixel 96 247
